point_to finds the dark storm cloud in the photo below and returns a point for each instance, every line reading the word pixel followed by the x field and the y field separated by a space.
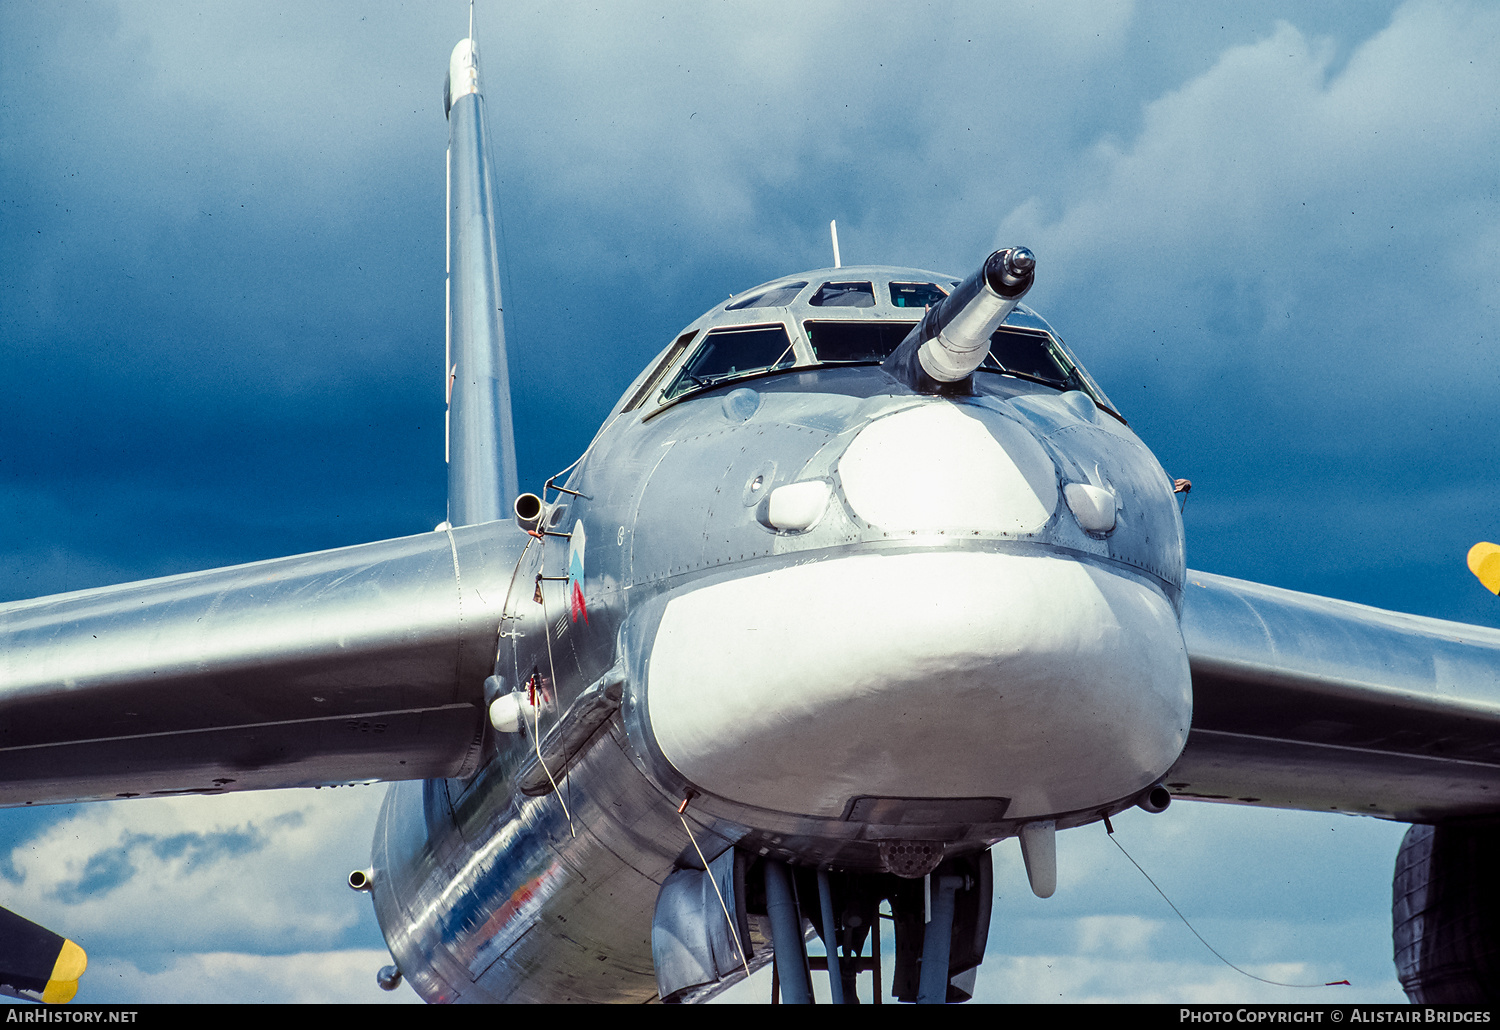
pixel 222 274
pixel 1287 279
pixel 191 332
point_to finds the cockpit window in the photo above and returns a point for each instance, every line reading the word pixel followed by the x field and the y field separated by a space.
pixel 1032 354
pixel 1082 373
pixel 668 360
pixel 844 295
pixel 775 297
pixel 916 295
pixel 733 352
pixel 855 341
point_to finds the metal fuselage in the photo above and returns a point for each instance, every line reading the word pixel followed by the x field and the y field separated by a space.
pixel 929 646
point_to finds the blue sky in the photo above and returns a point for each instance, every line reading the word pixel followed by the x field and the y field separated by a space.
pixel 1271 231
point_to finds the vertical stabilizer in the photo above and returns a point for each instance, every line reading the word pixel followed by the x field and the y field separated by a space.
pixel 482 479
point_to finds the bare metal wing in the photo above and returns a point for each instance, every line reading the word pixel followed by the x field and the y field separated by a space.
pixel 1306 702
pixel 360 663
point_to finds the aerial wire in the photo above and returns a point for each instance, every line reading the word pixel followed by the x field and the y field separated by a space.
pixel 536 736
pixel 536 719
pixel 1210 947
pixel 733 929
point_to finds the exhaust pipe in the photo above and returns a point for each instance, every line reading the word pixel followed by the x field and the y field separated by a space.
pixel 1155 800
pixel 953 337
pixel 529 508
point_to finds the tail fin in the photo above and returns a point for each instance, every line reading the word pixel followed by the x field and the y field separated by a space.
pixel 482 478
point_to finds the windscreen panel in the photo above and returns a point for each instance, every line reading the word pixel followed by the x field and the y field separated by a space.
pixel 775 297
pixel 733 352
pixel 650 382
pixel 844 295
pixel 916 295
pixel 1091 387
pixel 855 341
pixel 1029 353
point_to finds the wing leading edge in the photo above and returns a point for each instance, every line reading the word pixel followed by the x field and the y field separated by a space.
pixel 1306 702
pixel 361 663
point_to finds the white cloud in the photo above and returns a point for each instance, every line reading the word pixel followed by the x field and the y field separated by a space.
pixel 1115 933
pixel 335 977
pixel 253 871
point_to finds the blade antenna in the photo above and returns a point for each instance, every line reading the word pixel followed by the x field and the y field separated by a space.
pixel 833 230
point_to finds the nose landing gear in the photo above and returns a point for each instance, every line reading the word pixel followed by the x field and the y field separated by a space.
pixel 941 924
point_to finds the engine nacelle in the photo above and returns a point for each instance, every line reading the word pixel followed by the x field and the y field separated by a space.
pixel 1445 915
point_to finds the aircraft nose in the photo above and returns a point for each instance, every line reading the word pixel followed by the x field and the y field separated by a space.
pixel 1050 684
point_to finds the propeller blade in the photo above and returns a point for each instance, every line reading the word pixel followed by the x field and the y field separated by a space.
pixel 37 964
pixel 1484 562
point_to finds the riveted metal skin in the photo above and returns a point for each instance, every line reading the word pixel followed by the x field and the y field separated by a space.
pixel 481 888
